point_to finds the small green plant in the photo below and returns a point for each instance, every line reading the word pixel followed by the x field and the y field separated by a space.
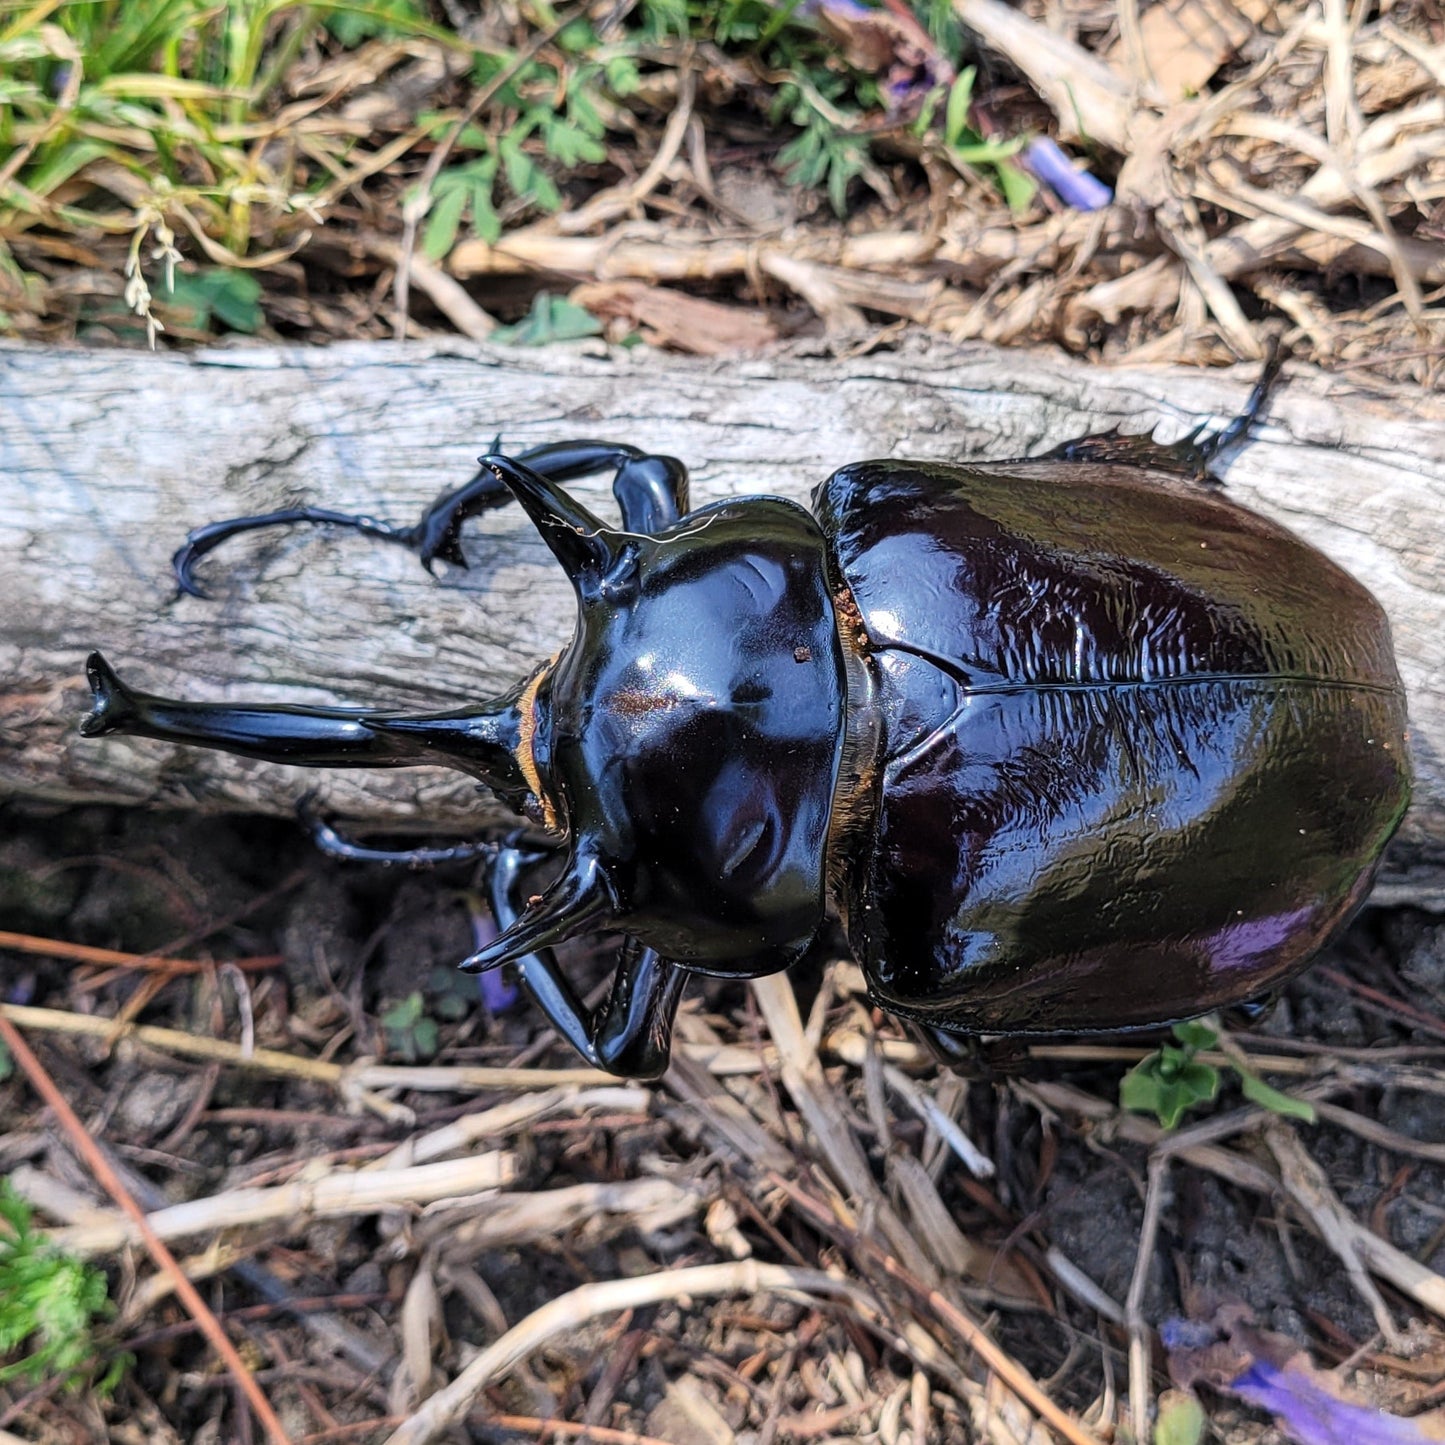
pixel 1181 1419
pixel 822 155
pixel 842 112
pixel 215 292
pixel 552 318
pixel 452 993
pixel 49 1302
pixel 163 134
pixel 145 119
pixel 409 1032
pixel 558 106
pixel 1171 1081
pixel 969 147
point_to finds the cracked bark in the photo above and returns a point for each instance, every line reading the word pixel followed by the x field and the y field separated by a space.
pixel 109 458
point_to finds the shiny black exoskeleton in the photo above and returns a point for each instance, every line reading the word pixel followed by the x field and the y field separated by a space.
pixel 1068 744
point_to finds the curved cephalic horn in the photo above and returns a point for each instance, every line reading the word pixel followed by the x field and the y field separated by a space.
pixel 482 740
pixel 575 536
pixel 577 902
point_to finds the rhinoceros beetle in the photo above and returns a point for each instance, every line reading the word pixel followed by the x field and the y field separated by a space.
pixel 1067 744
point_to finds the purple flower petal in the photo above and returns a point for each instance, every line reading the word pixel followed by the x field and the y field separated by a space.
pixel 1079 189
pixel 1310 1415
pixel 844 9
pixel 1181 1334
pixel 497 994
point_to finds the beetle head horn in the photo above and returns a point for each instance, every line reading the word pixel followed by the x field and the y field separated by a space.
pixel 112 703
pixel 575 903
pixel 576 537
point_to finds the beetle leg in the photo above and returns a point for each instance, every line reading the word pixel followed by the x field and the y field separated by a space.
pixel 631 1035
pixel 205 539
pixel 972 1057
pixel 1192 455
pixel 651 492
pixel 337 845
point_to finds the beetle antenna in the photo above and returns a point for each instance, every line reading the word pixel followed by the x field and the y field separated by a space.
pixel 576 537
pixel 576 902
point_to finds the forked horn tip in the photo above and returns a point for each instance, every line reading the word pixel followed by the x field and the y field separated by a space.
pixel 112 704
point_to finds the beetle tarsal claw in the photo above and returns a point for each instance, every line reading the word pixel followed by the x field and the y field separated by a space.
pixel 577 902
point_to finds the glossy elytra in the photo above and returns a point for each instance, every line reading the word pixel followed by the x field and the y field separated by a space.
pixel 1071 743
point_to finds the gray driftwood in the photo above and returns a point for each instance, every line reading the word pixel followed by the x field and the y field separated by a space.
pixel 107 458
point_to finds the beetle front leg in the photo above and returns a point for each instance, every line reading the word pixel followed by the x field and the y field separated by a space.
pixel 631 1035
pixel 651 491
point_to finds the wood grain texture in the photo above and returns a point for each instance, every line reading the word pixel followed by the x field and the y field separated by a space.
pixel 107 459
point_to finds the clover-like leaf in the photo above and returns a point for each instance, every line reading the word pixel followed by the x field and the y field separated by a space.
pixel 1168 1084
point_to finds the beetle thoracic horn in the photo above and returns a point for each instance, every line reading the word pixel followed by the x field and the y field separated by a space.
pixel 576 537
pixel 481 739
pixel 576 902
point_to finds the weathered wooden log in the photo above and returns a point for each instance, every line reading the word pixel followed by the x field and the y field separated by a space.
pixel 107 459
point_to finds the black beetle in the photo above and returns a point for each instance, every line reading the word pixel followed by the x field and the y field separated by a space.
pixel 1069 744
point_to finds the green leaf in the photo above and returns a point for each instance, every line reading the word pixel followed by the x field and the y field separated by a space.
pixel 960 96
pixel 1196 1034
pixel 623 76
pixel 230 296
pixel 1258 1092
pixel 1168 1084
pixel 570 144
pixel 822 155
pixel 7 1064
pixel 989 152
pixel 804 158
pixel 1018 186
pixel 485 220
pixel 664 18
pixel 236 299
pixel 1181 1419
pixel 425 1037
pixel 444 221
pixel 838 178
pixel 580 109
pixel 353 23
pixel 408 1029
pixel 552 318
pixel 453 994
pixel 577 38
pixel 404 1013
pixel 526 178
